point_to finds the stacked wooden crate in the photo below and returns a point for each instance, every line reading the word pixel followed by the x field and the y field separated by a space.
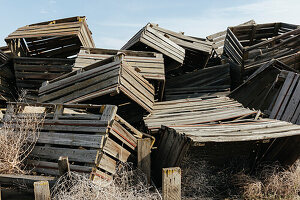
pixel 94 143
pixel 30 73
pixel 252 45
pixel 209 81
pixel 108 81
pixel 7 80
pixel 218 39
pixel 58 38
pixel 197 50
pixel 148 39
pixel 150 65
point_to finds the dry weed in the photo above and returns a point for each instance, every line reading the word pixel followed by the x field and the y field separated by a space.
pixel 271 182
pixel 127 185
pixel 18 136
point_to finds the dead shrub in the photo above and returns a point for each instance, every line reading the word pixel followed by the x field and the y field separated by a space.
pixel 18 136
pixel 128 184
pixel 271 182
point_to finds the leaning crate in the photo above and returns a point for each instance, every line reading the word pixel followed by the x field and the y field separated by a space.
pixel 150 65
pixel 58 38
pixel 95 144
pixel 110 81
pixel 250 46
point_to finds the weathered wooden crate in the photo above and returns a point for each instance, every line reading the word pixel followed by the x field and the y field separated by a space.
pixel 58 38
pixel 205 82
pixel 30 72
pixel 93 143
pixel 251 45
pixel 148 39
pixel 3 58
pixel 148 64
pixel 286 106
pixel 108 81
pixel 218 39
pixel 262 86
pixel 197 50
pixel 193 111
pixel 292 60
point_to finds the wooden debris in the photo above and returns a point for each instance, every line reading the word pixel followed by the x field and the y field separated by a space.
pixel 206 82
pixel 24 180
pixel 150 65
pixel 108 81
pixel 93 143
pixel 57 39
pixel 251 45
pixel 32 72
pixel 144 157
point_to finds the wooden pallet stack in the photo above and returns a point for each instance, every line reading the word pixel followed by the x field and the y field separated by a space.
pixel 150 65
pixel 253 45
pixel 93 143
pixel 52 39
pixel 30 73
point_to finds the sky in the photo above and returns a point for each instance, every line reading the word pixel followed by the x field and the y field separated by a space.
pixel 114 22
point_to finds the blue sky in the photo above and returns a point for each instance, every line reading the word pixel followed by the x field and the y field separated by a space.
pixel 114 22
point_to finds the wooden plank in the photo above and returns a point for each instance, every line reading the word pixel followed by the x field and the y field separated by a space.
pixel 171 183
pixel 144 158
pixel 42 190
pixel 63 165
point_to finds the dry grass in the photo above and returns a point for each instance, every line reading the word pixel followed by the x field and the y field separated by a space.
pixel 128 184
pixel 271 182
pixel 18 136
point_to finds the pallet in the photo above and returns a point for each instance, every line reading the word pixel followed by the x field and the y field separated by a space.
pixel 193 111
pixel 218 39
pixel 108 81
pixel 52 39
pixel 150 65
pixel 251 45
pixel 205 82
pixel 30 73
pixel 148 39
pixel 262 87
pixel 94 143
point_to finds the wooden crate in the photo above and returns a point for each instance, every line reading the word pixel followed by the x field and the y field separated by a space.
pixel 251 45
pixel 148 64
pixel 262 86
pixel 218 39
pixel 286 106
pixel 3 58
pixel 193 111
pixel 57 39
pixel 108 81
pixel 205 82
pixel 148 39
pixel 197 50
pixel 30 73
pixel 94 143
pixel 292 60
